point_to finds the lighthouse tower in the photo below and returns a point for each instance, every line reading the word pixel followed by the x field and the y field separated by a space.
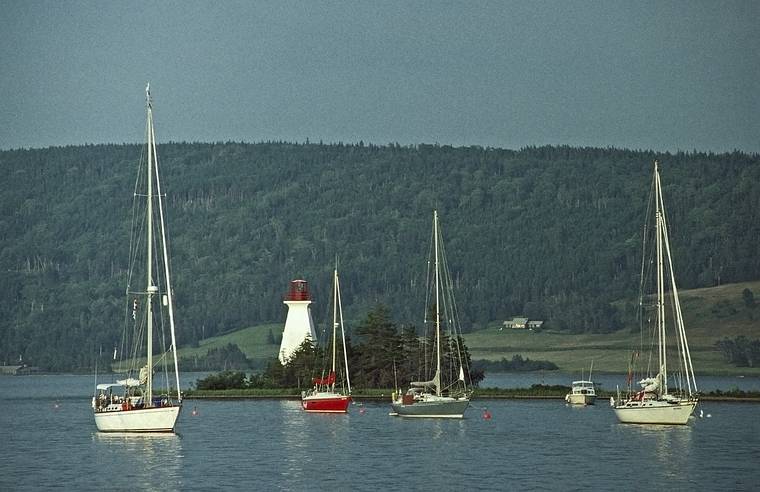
pixel 298 324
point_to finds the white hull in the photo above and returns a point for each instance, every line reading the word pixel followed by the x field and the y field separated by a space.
pixel 159 419
pixel 655 412
pixel 431 406
pixel 576 399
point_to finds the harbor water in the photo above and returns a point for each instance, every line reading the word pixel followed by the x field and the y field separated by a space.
pixel 49 440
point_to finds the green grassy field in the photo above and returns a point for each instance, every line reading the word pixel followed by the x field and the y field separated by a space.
pixel 710 315
pixel 252 341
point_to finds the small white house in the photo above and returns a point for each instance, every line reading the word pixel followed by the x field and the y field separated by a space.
pixel 516 323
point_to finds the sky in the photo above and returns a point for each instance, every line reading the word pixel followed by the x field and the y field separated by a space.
pixel 649 75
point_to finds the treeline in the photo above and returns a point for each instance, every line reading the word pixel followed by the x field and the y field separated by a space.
pixel 740 351
pixel 516 364
pixel 550 233
pixel 384 356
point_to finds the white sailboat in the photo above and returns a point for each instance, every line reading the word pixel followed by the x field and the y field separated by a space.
pixel 130 404
pixel 437 398
pixel 657 402
pixel 325 397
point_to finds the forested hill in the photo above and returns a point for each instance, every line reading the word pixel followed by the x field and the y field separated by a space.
pixel 551 232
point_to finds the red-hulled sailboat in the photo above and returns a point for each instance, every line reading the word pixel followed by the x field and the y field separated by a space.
pixel 324 398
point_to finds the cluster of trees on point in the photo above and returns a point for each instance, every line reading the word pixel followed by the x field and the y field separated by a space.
pixel 516 364
pixel 383 356
pixel 551 233
pixel 223 380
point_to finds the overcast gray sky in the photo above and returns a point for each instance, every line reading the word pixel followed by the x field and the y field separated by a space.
pixel 642 75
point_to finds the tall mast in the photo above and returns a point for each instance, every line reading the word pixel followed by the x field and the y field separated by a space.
pixel 151 289
pixel 165 253
pixel 335 319
pixel 683 343
pixel 437 377
pixel 342 331
pixel 663 368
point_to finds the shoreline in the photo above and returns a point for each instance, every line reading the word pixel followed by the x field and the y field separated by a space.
pixel 361 398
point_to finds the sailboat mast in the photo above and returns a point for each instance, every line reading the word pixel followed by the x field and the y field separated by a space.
pixel 663 368
pixel 342 330
pixel 437 310
pixel 167 276
pixel 149 211
pixel 335 319
pixel 683 344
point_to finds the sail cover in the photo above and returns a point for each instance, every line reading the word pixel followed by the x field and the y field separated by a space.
pixel 423 384
pixel 651 385
pixel 434 383
pixel 120 383
pixel 330 379
pixel 129 382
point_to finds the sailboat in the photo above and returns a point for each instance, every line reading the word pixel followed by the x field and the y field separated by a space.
pixel 132 404
pixel 656 402
pixel 323 397
pixel 435 398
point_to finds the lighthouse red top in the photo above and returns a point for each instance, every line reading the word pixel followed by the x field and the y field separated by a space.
pixel 299 291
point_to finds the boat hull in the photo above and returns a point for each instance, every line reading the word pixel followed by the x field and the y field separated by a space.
pixel 576 399
pixel 326 403
pixel 159 419
pixel 655 412
pixel 451 408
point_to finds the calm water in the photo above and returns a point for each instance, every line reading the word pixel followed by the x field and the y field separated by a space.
pixel 610 381
pixel 49 440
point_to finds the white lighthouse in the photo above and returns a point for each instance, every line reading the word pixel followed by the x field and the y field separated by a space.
pixel 298 324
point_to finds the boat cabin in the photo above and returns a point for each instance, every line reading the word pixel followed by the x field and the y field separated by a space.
pixel 124 395
pixel 583 388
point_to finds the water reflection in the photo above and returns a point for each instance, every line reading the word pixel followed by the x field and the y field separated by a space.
pixel 317 444
pixel 295 439
pixel 145 461
pixel 670 446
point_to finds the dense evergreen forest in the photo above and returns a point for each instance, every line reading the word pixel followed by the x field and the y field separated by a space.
pixel 552 233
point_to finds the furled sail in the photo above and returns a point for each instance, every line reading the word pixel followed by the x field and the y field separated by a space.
pixel 651 385
pixel 144 375
pixel 330 379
